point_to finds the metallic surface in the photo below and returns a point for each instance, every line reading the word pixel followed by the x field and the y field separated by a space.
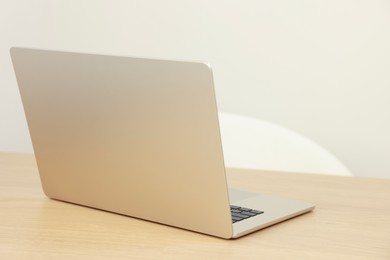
pixel 275 210
pixel 139 137
pixel 134 136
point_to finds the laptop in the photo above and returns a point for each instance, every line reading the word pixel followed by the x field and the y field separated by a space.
pixel 138 137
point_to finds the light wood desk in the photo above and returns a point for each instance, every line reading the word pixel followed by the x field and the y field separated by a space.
pixel 351 221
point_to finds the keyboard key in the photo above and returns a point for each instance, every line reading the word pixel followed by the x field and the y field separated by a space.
pixel 248 213
pixel 241 213
pixel 257 211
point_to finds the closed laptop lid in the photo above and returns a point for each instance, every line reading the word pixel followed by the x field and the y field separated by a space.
pixel 134 136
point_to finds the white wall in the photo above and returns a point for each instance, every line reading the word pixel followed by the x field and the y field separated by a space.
pixel 320 68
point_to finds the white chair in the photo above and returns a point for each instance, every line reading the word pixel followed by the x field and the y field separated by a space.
pixel 256 144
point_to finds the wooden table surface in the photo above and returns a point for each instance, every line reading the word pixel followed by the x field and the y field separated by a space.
pixel 351 221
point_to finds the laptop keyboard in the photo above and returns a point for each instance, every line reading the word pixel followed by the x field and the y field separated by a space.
pixel 241 213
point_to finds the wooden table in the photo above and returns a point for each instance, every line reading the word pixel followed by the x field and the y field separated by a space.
pixel 351 221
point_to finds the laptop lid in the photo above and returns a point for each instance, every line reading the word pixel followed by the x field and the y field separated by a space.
pixel 134 136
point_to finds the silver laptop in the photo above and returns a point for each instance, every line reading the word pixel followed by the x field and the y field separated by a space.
pixel 139 137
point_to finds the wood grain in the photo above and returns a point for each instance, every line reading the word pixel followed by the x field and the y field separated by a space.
pixel 351 221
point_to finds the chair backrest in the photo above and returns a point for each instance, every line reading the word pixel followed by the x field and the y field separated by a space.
pixel 258 144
